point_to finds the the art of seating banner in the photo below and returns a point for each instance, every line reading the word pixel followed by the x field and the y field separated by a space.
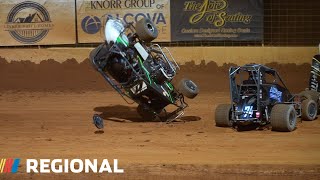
pixel 217 20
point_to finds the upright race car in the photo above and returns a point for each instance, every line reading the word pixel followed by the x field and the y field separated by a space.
pixel 141 72
pixel 311 95
pixel 259 96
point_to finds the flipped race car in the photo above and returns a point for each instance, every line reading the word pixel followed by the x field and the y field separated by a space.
pixel 259 96
pixel 139 72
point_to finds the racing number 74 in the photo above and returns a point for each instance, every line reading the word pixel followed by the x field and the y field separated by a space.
pixel 248 110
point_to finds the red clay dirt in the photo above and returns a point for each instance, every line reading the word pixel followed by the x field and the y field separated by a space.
pixel 50 75
pixel 46 112
pixel 58 125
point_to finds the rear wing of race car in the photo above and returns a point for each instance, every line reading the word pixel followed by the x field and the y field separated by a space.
pixel 315 73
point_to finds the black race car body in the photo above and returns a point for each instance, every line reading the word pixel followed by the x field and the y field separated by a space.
pixel 315 74
pixel 141 72
pixel 255 89
pixel 258 96
pixel 312 93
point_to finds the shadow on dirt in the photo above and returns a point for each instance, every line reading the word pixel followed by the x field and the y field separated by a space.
pixel 125 114
pixel 99 132
pixel 190 118
pixel 250 127
pixel 119 113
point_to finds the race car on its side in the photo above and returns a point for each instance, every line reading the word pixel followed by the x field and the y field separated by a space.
pixel 141 71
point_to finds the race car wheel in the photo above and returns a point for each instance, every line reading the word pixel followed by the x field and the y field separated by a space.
pixel 309 94
pixel 146 113
pixel 283 118
pixel 309 110
pixel 146 30
pixel 188 88
pixel 222 115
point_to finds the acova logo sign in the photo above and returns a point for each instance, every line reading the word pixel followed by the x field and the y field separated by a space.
pixel 28 22
pixel 91 24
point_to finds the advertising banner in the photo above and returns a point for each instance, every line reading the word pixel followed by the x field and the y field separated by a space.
pixel 91 14
pixel 217 20
pixel 40 22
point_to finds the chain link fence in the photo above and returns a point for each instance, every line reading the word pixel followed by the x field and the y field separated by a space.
pixel 291 22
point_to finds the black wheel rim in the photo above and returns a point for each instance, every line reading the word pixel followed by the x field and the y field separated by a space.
pixel 191 85
pixel 312 109
pixel 98 121
pixel 292 117
pixel 150 27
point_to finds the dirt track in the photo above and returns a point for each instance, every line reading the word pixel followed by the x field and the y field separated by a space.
pixel 50 75
pixel 58 125
pixel 46 112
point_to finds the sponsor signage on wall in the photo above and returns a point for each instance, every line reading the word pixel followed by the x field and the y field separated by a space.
pixel 214 20
pixel 37 22
pixel 48 22
pixel 91 14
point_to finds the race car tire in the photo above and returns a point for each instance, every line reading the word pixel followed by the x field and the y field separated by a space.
pixel 309 94
pixel 283 118
pixel 188 88
pixel 309 110
pixel 146 30
pixel 146 113
pixel 222 115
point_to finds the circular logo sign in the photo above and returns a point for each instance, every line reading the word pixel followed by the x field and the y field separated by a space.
pixel 91 24
pixel 28 22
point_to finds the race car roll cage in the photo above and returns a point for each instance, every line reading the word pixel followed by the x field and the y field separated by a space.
pixel 260 71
